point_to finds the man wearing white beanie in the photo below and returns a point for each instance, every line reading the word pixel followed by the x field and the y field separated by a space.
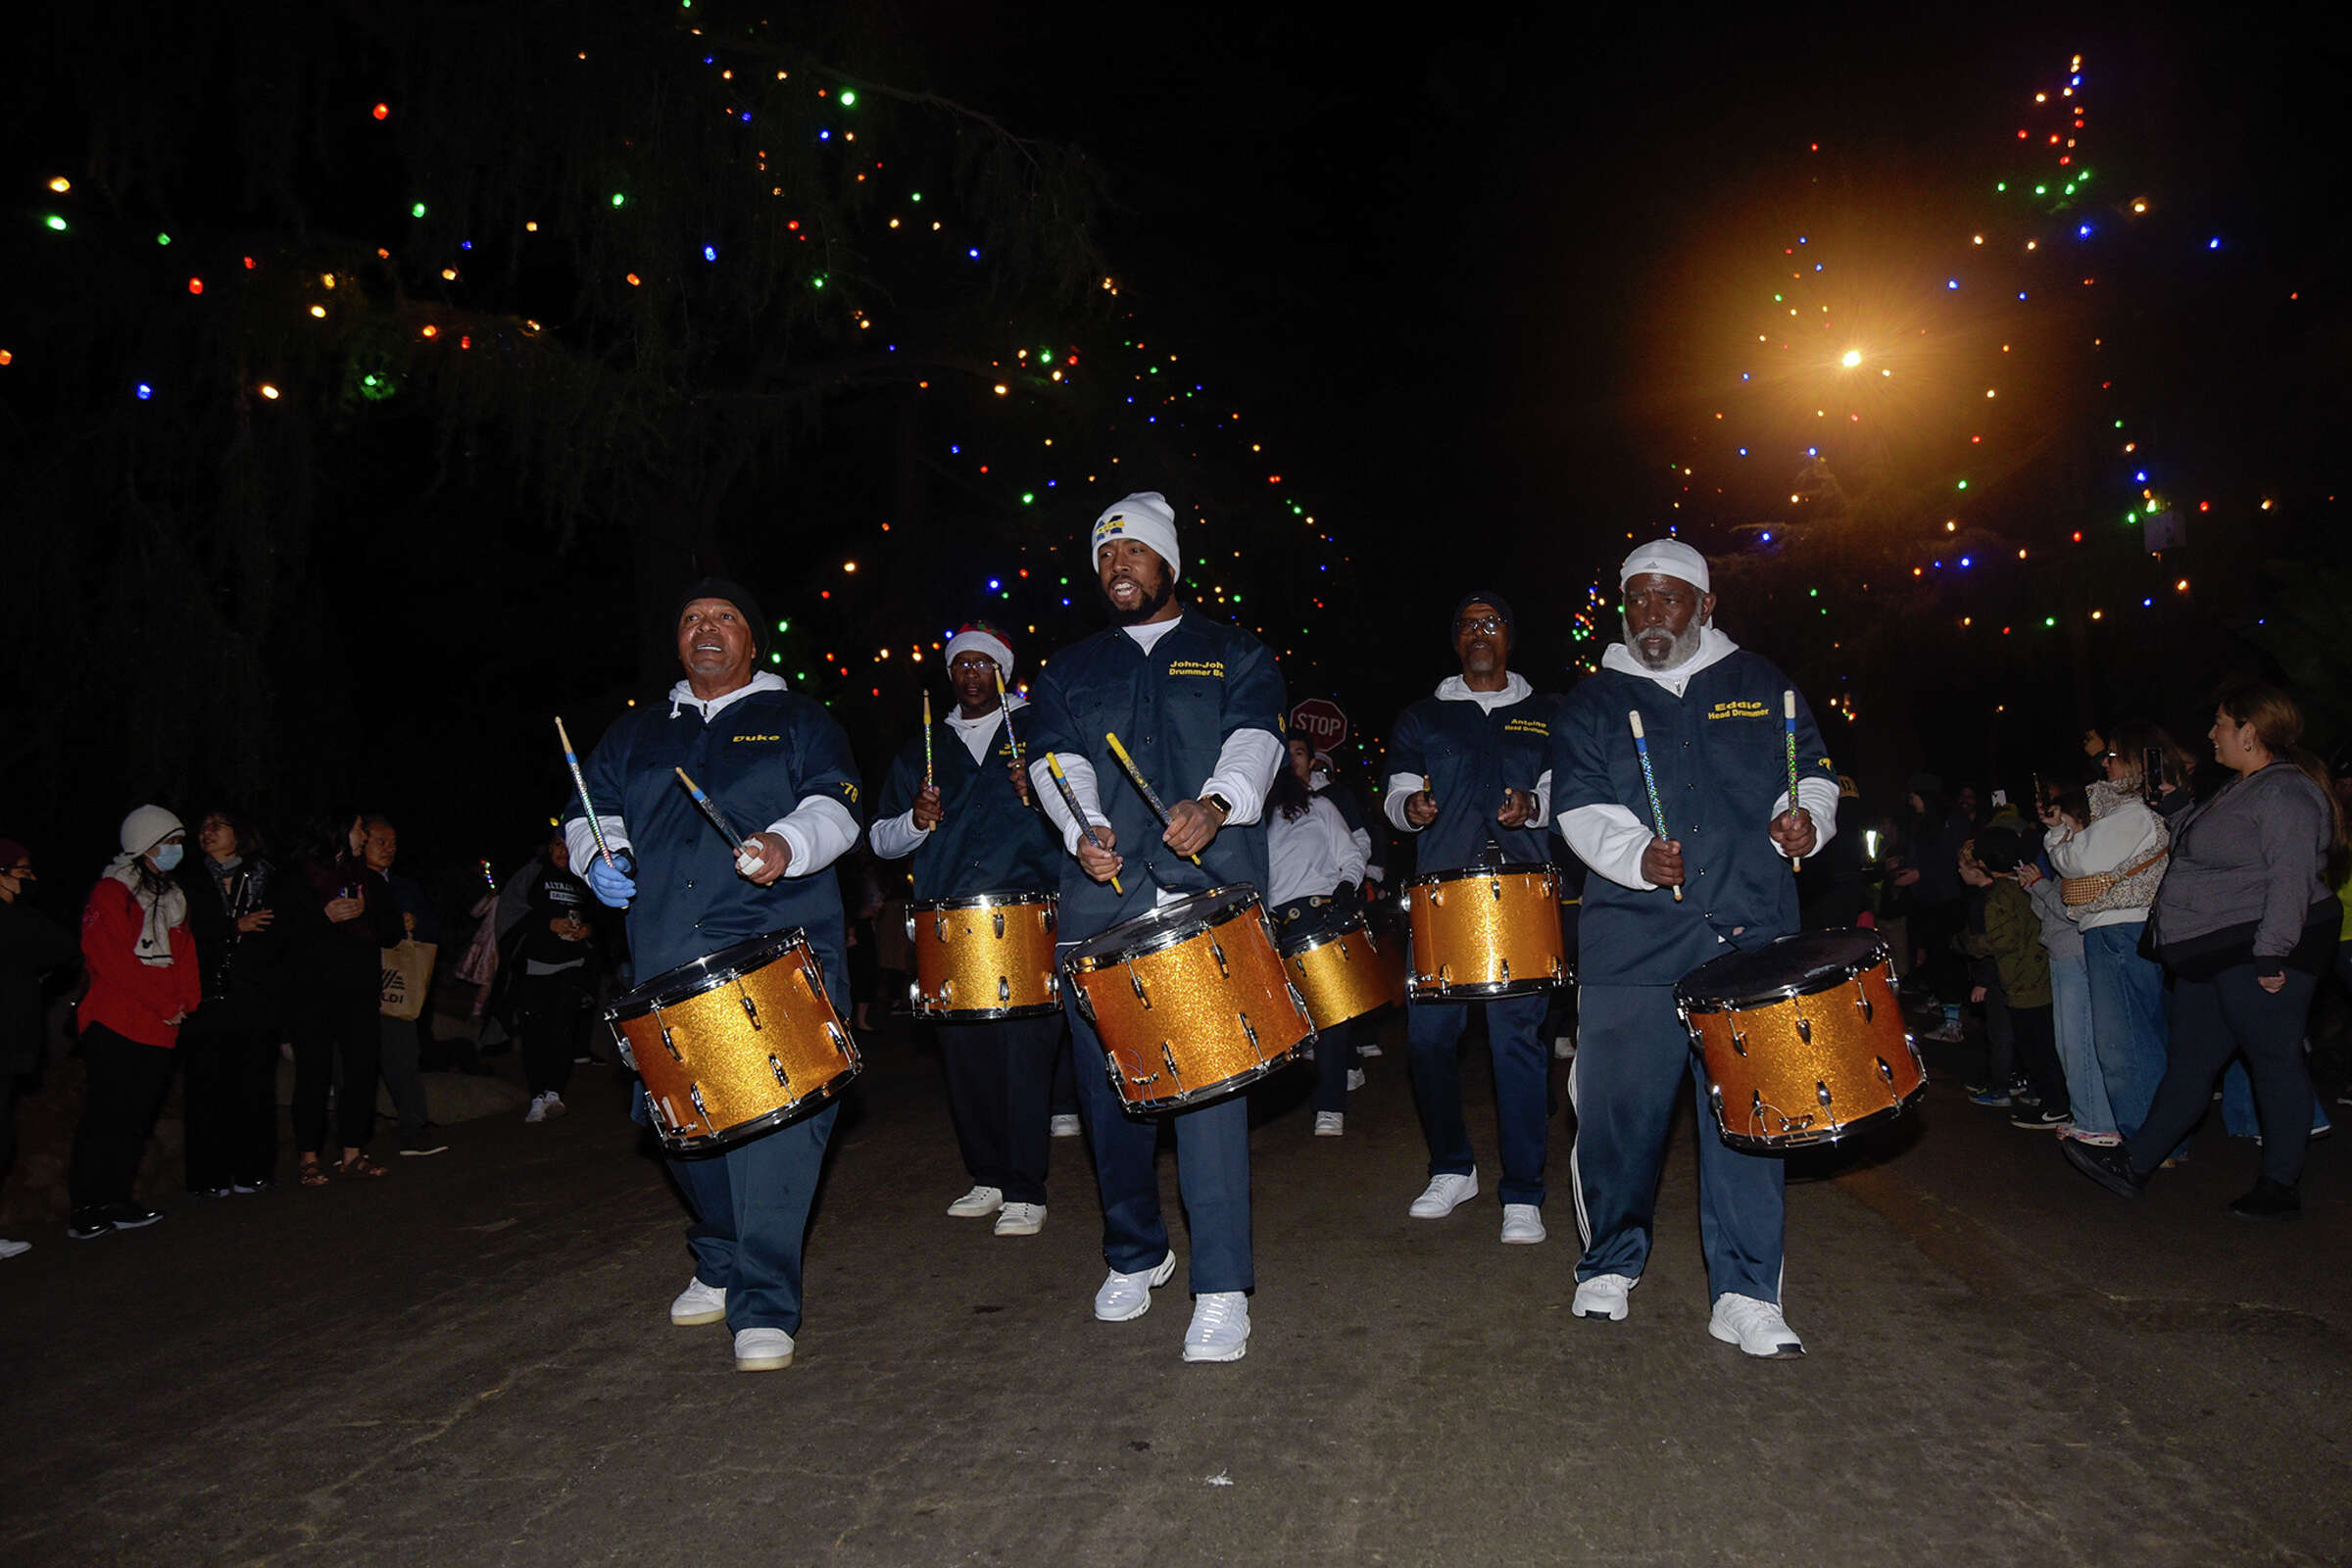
pixel 1198 704
pixel 972 830
pixel 1713 713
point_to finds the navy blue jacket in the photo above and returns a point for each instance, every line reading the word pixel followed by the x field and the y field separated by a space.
pixel 987 841
pixel 1721 759
pixel 758 759
pixel 1172 709
pixel 1470 756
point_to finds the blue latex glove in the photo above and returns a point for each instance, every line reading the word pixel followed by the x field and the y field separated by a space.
pixel 612 884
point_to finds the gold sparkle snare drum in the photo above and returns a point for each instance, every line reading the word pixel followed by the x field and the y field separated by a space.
pixel 1190 1000
pixel 1485 931
pixel 986 956
pixel 1802 1039
pixel 1344 972
pixel 737 1043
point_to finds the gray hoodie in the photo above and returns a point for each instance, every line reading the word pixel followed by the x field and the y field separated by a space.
pixel 2254 855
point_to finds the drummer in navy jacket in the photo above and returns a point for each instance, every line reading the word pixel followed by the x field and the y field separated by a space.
pixel 774 759
pixel 1713 715
pixel 1467 771
pixel 1198 706
pixel 975 830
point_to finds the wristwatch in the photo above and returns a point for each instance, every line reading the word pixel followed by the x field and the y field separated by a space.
pixel 1224 806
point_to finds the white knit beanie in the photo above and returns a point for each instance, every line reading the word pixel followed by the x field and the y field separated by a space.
pixel 1144 516
pixel 1669 556
pixel 148 826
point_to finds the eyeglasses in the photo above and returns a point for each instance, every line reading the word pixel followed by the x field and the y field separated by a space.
pixel 1488 624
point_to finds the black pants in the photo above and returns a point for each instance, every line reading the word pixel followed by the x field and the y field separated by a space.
pixel 339 1033
pixel 2036 1034
pixel 128 1083
pixel 1335 1058
pixel 232 1106
pixel 555 1026
pixel 2212 1021
pixel 10 1080
pixel 1000 1078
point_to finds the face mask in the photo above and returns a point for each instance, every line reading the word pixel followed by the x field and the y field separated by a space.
pixel 166 856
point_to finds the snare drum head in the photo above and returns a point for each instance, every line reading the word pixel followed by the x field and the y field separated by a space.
pixel 1469 873
pixel 1804 963
pixel 1323 936
pixel 673 985
pixel 1171 922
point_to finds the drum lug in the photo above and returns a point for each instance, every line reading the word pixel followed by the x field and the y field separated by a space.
pixel 1085 1006
pixel 1506 969
pixel 1755 1112
pixel 915 995
pixel 694 1092
pixel 1167 1055
pixel 668 1044
pixel 1739 1040
pixel 1137 981
pixel 1886 1073
pixel 1862 1000
pixel 841 1040
pixel 1054 984
pixel 1000 914
pixel 1804 1029
pixel 1250 1030
pixel 1003 983
pixel 1821 1091
pixel 1217 953
pixel 938 924
pixel 751 1008
pixel 783 1079
pixel 910 926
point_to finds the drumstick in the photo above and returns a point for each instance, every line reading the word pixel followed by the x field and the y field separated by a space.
pixel 928 782
pixel 1426 790
pixel 718 818
pixel 1069 798
pixel 1796 862
pixel 571 760
pixel 1005 704
pixel 1135 776
pixel 1649 781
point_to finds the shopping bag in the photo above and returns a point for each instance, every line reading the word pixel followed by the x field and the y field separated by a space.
pixel 407 976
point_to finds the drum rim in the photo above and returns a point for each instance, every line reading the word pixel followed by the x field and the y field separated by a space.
pixel 1750 1000
pixel 1329 934
pixel 1076 961
pixel 642 999
pixel 1027 1009
pixel 1183 1098
pixel 1836 1133
pixel 985 901
pixel 1465 873
pixel 1488 990
pixel 767 1121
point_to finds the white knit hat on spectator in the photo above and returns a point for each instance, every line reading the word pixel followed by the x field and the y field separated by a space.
pixel 1669 556
pixel 1144 516
pixel 979 637
pixel 148 826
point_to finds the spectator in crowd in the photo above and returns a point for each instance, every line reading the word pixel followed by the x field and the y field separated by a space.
pixel 2110 872
pixel 340 954
pixel 143 983
pixel 559 977
pixel 2003 1085
pixel 401 1040
pixel 2246 922
pixel 30 946
pixel 1315 885
pixel 229 1044
pixel 1931 882
pixel 1832 894
pixel 2012 939
pixel 2069 989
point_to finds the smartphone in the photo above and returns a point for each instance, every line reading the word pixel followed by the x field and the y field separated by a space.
pixel 2000 797
pixel 2151 774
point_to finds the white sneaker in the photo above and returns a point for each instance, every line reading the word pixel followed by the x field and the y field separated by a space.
pixel 1331 1123
pixel 538 1110
pixel 1756 1327
pixel 1355 1079
pixel 8 1249
pixel 1444 1195
pixel 1370 1048
pixel 978 1203
pixel 555 1104
pixel 1126 1296
pixel 1021 1219
pixel 1522 1224
pixel 1603 1297
pixel 1220 1328
pixel 1563 1047
pixel 762 1349
pixel 1064 1126
pixel 699 1304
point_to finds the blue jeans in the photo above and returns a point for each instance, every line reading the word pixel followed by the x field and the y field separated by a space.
pixel 2126 1020
pixel 1632 1057
pixel 1522 1064
pixel 2078 1049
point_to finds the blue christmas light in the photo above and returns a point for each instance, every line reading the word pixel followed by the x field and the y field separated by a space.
pixel 1768 538
pixel 2082 232
pixel 709 253
pixel 994 585
pixel 1965 561
pixel 2213 244
pixel 145 391
pixel 1951 282
pixel 2141 477
pixel 1743 452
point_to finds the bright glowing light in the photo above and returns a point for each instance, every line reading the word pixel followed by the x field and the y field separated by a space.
pixel 60 184
pixel 383 111
pixel 1852 358
pixel 271 393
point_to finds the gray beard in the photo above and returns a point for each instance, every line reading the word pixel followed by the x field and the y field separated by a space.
pixel 1684 649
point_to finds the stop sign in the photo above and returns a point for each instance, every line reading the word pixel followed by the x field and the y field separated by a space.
pixel 1320 723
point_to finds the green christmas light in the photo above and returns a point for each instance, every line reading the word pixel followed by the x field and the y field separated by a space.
pixel 163 239
pixel 56 222
pixel 416 211
pixel 848 97
pixel 618 197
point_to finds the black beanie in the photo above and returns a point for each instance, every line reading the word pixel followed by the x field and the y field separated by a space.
pixel 1481 595
pixel 2000 848
pixel 734 593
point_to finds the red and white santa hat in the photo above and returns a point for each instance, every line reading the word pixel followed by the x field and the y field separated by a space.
pixel 979 637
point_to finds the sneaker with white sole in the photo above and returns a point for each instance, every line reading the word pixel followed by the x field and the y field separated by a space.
pixel 1563 1048
pixel 1603 1297
pixel 1522 1224
pixel 1331 1123
pixel 1064 1126
pixel 1126 1296
pixel 762 1349
pixel 8 1249
pixel 1444 1195
pixel 1371 1048
pixel 1220 1328
pixel 699 1304
pixel 1020 1219
pixel 538 1110
pixel 978 1203
pixel 1756 1327
pixel 1355 1079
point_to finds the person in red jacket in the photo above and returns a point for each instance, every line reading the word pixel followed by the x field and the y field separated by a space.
pixel 144 979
